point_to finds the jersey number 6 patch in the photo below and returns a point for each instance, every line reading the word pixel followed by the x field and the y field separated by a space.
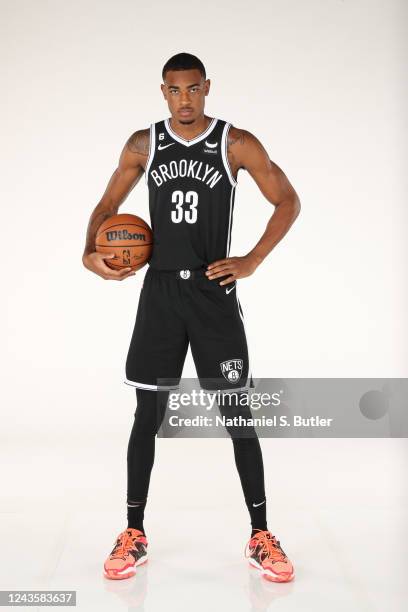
pixel 188 214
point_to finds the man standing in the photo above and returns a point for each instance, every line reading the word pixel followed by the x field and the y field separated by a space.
pixel 189 294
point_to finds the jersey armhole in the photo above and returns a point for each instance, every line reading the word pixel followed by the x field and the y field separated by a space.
pixel 152 148
pixel 224 153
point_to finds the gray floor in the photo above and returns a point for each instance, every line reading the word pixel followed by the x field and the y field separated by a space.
pixel 337 506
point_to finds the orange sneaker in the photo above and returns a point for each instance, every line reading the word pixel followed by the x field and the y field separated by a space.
pixel 128 552
pixel 265 553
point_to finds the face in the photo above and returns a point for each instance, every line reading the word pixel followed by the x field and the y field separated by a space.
pixel 185 92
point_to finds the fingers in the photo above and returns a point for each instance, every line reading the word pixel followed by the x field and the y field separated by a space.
pixel 220 270
pixel 228 280
pixel 126 276
pixel 108 273
pixel 223 267
pixel 118 275
pixel 218 262
pixel 96 263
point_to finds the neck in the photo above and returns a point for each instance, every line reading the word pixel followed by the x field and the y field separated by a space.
pixel 190 130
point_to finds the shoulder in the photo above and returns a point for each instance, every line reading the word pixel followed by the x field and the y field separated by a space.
pixel 240 137
pixel 243 146
pixel 139 142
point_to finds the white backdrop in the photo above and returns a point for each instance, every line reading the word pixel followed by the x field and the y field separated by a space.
pixel 320 83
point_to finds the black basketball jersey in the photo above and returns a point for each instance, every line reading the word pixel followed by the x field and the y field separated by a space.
pixel 191 196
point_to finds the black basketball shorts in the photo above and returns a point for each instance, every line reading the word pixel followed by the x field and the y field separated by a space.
pixel 181 307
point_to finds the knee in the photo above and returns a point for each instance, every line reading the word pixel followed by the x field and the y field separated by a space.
pixel 144 426
pixel 149 414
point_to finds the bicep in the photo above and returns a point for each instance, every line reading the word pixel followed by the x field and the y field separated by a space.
pixel 269 177
pixel 126 176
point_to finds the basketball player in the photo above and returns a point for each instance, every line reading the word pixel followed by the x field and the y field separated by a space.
pixel 189 295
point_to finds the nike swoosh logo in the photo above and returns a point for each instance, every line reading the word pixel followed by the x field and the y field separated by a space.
pixel 227 291
pixel 256 505
pixel 160 147
pixel 210 144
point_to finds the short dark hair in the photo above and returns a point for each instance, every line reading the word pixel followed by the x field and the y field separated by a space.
pixel 183 61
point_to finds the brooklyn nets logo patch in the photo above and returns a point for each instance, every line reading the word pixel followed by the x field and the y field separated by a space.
pixel 232 369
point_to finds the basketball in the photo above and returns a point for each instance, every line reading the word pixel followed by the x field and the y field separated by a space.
pixel 129 238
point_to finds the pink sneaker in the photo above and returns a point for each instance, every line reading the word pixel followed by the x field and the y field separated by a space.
pixel 265 553
pixel 128 552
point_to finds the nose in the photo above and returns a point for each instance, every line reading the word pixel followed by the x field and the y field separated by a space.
pixel 185 98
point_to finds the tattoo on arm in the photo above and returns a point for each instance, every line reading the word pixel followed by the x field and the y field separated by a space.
pixel 235 136
pixel 238 137
pixel 139 142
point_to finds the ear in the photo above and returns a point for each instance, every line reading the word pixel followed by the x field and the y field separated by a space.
pixel 163 88
pixel 207 85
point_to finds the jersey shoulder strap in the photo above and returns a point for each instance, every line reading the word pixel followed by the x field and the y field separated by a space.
pixel 224 151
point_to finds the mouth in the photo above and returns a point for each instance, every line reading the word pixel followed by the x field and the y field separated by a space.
pixel 185 112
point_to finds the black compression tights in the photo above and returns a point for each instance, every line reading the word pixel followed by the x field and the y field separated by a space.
pixel 248 457
pixel 140 457
pixel 150 411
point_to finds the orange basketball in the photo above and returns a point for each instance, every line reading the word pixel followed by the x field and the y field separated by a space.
pixel 129 237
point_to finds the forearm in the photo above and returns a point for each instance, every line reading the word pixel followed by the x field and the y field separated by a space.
pixel 278 225
pixel 102 211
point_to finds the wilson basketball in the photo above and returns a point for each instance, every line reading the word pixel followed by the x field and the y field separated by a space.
pixel 129 237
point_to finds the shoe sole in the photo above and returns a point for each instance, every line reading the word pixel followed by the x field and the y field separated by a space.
pixel 129 573
pixel 270 575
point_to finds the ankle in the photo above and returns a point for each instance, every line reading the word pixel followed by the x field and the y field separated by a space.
pixel 256 530
pixel 138 527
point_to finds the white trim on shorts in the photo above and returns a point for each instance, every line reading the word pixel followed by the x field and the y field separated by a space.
pixel 147 387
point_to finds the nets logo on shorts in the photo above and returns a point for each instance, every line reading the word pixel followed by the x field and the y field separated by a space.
pixel 232 369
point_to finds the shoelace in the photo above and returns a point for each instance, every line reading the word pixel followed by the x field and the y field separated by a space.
pixel 269 545
pixel 124 544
